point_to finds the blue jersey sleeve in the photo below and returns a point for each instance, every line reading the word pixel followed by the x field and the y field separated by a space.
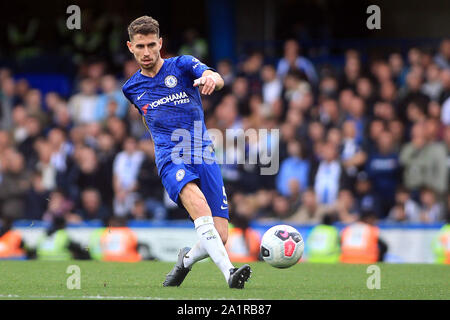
pixel 193 66
pixel 125 93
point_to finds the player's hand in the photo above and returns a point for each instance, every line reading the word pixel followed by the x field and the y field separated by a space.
pixel 206 84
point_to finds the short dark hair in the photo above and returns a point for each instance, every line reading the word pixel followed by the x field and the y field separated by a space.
pixel 143 25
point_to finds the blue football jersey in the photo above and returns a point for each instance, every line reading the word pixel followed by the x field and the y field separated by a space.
pixel 169 102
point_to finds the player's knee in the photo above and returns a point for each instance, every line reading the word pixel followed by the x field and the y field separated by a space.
pixel 200 205
pixel 194 201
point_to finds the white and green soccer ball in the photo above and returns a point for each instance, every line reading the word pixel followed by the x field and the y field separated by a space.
pixel 282 246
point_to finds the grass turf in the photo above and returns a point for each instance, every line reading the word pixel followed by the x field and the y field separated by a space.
pixel 100 280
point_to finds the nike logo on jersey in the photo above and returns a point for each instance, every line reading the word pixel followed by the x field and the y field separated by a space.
pixel 139 98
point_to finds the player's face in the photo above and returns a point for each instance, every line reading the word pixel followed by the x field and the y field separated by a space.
pixel 145 49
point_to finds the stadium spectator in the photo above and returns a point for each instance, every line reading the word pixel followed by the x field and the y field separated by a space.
pixel 295 168
pixel 272 85
pixel 55 244
pixel 282 208
pixel 62 118
pixel 106 153
pixel 82 105
pixel 18 127
pixel 365 198
pixel 88 172
pixel 251 70
pixel 91 207
pixel 15 181
pixel 352 155
pixel 323 243
pixel 328 88
pixel 433 86
pixel 225 69
pixel 352 70
pixel 310 211
pixel 118 242
pixel 328 175
pixel 442 58
pixel 128 69
pixel 111 101
pixel 405 208
pixel 293 60
pixel 243 244
pixel 194 45
pixel 11 243
pixel 445 97
pixel 5 144
pixel 329 114
pixel 118 130
pixel 383 169
pixel 424 162
pixel 59 206
pixel 241 92
pixel 445 80
pixel 34 107
pixel 388 92
pixel 441 249
pixel 397 65
pixel 447 144
pixel 356 113
pixel 125 176
pixel 346 206
pixel 149 183
pixel 412 93
pixel 361 243
pixel 6 103
pixel 136 127
pixel 95 248
pixel 431 210
pixel 61 150
pixel 36 198
pixel 44 164
pixel 32 134
pixel 296 88
pixel 22 87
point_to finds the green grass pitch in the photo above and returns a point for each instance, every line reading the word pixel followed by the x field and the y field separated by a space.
pixel 100 280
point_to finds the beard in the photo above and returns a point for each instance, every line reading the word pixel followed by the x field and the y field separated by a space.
pixel 151 65
pixel 148 66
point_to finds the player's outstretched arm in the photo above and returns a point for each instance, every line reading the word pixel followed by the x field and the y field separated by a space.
pixel 209 82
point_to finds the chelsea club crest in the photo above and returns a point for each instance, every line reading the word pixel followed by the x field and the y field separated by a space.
pixel 170 81
pixel 180 174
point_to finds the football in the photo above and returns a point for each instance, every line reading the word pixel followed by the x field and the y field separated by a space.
pixel 282 246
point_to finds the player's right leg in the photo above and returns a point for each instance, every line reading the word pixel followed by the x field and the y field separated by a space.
pixel 174 178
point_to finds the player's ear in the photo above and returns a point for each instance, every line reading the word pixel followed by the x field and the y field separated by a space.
pixel 160 42
pixel 129 45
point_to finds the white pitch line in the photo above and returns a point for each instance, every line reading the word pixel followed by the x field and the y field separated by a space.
pixel 82 297
pixel 99 297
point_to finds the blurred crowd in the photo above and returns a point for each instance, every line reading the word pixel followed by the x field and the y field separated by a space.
pixel 372 136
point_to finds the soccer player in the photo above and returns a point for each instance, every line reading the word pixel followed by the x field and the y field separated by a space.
pixel 167 94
